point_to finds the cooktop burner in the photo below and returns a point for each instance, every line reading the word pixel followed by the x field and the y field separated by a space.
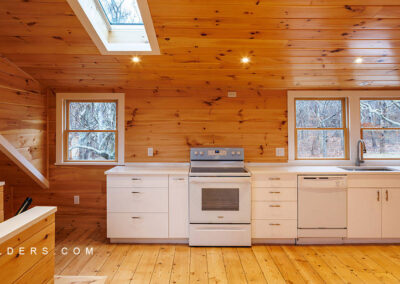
pixel 217 170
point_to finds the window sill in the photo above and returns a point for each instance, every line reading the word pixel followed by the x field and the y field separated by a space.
pixel 89 164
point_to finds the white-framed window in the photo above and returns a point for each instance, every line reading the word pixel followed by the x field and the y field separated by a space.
pixel 371 115
pixel 321 128
pixel 90 128
pixel 120 27
pixel 380 128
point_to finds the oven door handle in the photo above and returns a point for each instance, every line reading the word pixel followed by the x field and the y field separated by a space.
pixel 220 179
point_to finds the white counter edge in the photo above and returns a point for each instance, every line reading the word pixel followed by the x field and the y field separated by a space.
pixel 2 183
pixel 17 224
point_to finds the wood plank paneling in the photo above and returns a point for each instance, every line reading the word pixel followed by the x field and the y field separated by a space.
pixel 28 257
pixel 292 45
pixel 23 122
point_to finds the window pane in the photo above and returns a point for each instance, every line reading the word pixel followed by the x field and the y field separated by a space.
pixel 320 144
pixel 382 144
pixel 319 114
pixel 122 12
pixel 92 116
pixel 380 113
pixel 91 146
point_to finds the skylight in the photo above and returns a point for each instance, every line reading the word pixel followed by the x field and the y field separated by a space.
pixel 121 12
pixel 118 26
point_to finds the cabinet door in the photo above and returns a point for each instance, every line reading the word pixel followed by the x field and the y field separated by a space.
pixel 390 213
pixel 364 213
pixel 178 206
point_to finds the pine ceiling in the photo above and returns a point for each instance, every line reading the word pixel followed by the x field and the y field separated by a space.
pixel 292 44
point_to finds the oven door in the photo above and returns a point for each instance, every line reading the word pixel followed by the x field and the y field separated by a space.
pixel 220 200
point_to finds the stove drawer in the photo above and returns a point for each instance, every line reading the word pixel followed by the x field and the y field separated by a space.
pixel 123 199
pixel 277 180
pixel 274 194
pixel 137 181
pixel 274 210
pixel 274 229
pixel 137 225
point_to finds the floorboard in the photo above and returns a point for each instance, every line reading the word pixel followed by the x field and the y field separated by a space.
pixel 153 263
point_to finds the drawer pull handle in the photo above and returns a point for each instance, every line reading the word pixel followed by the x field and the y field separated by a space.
pixel 135 192
pixel 274 178
pixel 274 206
pixel 387 195
pixel 135 217
pixel 179 178
pixel 274 192
pixel 378 196
pixel 136 179
pixel 274 224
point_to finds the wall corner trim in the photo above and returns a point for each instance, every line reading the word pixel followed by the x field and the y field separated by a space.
pixel 12 153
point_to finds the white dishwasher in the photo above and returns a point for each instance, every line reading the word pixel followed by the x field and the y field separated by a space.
pixel 322 206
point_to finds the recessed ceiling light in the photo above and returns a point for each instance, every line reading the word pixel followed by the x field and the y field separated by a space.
pixel 245 60
pixel 136 59
pixel 358 60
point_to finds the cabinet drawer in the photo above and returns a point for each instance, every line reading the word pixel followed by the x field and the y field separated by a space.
pixel 274 228
pixel 278 180
pixel 137 181
pixel 123 199
pixel 274 210
pixel 274 194
pixel 137 225
pixel 370 180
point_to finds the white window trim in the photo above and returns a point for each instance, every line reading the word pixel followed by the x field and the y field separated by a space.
pixel 61 98
pixel 354 123
pixel 117 42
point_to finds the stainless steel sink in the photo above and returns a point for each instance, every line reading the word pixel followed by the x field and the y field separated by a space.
pixel 367 169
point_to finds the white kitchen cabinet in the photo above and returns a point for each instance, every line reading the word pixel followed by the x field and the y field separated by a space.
pixel 274 206
pixel 178 206
pixel 390 213
pixel 137 225
pixel 364 213
pixel 373 206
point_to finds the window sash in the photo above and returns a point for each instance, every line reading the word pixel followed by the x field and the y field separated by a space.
pixel 67 131
pixel 344 128
pixel 376 128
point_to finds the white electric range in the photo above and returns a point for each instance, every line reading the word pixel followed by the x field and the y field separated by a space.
pixel 219 198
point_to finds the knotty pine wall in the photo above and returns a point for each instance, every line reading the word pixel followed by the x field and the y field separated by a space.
pixel 23 122
pixel 171 121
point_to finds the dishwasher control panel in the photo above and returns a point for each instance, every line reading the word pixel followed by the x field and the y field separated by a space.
pixel 322 181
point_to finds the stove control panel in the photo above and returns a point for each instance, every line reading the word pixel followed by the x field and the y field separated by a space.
pixel 216 154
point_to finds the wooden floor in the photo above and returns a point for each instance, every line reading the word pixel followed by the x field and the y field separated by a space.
pixel 124 263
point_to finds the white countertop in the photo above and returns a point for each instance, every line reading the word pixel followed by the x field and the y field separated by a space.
pixel 2 183
pixel 314 170
pixel 150 168
pixel 183 168
pixel 19 223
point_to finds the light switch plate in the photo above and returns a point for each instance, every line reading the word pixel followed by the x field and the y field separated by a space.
pixel 150 152
pixel 280 152
pixel 76 199
pixel 232 94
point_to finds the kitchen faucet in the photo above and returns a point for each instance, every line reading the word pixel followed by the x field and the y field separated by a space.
pixel 364 149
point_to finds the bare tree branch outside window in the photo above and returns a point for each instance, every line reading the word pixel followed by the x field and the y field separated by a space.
pixel 320 129
pixel 122 12
pixel 380 128
pixel 91 131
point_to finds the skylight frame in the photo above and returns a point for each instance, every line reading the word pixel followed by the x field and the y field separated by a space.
pixel 114 39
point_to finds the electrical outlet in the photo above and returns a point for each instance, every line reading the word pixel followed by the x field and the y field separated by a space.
pixel 150 152
pixel 232 94
pixel 280 152
pixel 76 199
